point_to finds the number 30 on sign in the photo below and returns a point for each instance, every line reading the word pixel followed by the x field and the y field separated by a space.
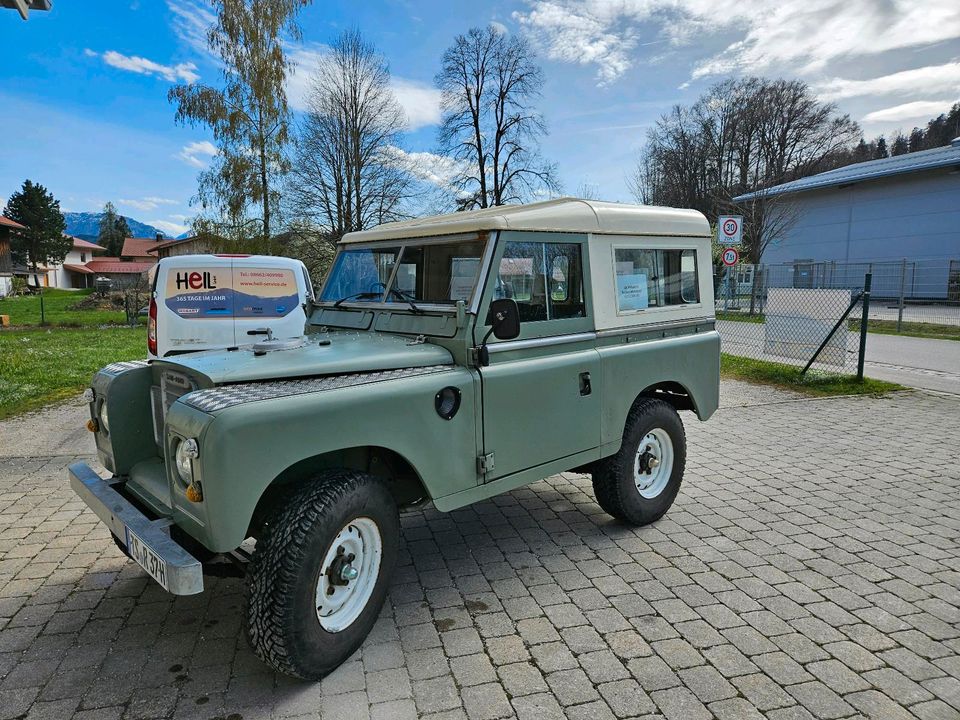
pixel 730 257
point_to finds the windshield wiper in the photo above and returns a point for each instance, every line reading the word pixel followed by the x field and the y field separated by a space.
pixel 357 296
pixel 402 296
pixel 373 295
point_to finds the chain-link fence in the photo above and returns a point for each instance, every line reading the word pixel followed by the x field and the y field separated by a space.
pixel 906 293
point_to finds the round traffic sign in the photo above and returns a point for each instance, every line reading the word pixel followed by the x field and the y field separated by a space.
pixel 730 227
pixel 730 256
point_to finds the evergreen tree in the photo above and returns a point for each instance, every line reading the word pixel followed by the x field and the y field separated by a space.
pixel 113 230
pixel 917 140
pixel 881 149
pixel 43 241
pixel 901 146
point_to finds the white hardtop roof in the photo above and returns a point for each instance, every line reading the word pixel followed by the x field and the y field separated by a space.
pixel 567 214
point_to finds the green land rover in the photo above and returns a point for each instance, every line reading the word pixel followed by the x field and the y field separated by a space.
pixel 446 360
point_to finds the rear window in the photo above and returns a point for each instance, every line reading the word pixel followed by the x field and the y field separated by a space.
pixel 206 292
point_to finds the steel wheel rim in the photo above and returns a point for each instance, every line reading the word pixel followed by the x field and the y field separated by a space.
pixel 653 464
pixel 341 596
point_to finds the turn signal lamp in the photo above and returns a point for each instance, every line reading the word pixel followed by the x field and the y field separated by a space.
pixel 92 425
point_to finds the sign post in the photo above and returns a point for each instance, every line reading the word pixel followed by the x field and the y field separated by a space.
pixel 730 229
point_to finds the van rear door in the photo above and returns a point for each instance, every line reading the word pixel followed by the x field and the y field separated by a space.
pixel 208 301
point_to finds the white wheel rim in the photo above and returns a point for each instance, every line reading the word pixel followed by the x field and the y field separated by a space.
pixel 345 585
pixel 653 464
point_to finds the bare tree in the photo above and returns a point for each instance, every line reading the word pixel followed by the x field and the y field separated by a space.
pixel 489 81
pixel 740 136
pixel 345 175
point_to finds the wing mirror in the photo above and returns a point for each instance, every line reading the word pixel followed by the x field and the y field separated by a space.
pixel 504 319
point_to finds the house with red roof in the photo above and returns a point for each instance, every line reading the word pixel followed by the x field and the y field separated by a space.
pixel 73 271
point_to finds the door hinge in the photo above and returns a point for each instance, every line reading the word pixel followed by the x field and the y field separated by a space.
pixel 484 463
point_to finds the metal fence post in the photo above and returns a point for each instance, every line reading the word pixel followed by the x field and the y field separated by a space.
pixel 903 280
pixel 867 281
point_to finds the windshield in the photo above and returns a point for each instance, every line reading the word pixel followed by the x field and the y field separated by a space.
pixel 438 273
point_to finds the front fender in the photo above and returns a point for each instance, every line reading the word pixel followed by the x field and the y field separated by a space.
pixel 250 444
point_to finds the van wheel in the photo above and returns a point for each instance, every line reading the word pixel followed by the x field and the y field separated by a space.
pixel 640 482
pixel 320 572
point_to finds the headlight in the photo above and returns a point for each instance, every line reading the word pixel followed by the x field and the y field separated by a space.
pixel 104 418
pixel 187 450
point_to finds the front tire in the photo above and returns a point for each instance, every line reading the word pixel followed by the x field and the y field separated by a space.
pixel 640 482
pixel 320 573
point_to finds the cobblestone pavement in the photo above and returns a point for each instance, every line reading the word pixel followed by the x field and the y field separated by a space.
pixel 809 568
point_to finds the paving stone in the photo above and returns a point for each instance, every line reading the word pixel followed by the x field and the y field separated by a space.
pixel 486 702
pixel 522 679
pixel 571 687
pixel 626 698
pixel 761 591
pixel 680 704
pixel 707 684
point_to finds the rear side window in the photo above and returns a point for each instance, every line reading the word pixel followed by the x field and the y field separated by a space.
pixel 648 278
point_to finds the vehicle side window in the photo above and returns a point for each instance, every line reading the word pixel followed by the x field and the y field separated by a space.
pixel 647 278
pixel 546 280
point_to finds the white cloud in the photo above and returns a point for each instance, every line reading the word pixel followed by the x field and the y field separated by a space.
pixel 420 101
pixel 439 170
pixel 499 27
pixel 919 81
pixel 144 66
pixel 191 22
pixel 920 110
pixel 197 154
pixel 148 203
pixel 799 36
pixel 170 228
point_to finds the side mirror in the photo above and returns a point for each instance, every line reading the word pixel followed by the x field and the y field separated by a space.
pixel 504 319
pixel 505 316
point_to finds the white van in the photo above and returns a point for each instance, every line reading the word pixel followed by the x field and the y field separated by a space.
pixel 205 302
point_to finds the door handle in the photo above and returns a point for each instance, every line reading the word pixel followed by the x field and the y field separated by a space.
pixel 585 387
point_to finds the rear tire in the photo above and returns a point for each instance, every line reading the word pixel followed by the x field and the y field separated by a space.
pixel 640 482
pixel 308 608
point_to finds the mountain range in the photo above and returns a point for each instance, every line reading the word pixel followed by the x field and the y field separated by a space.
pixel 86 226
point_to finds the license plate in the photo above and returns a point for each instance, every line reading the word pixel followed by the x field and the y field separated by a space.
pixel 147 559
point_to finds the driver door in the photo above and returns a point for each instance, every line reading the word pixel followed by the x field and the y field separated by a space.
pixel 541 391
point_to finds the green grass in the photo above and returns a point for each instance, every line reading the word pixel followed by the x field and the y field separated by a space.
pixel 882 327
pixel 43 365
pixel 24 311
pixel 740 316
pixel 912 329
pixel 814 382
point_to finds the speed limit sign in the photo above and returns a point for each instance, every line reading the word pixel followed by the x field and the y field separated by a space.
pixel 730 257
pixel 731 229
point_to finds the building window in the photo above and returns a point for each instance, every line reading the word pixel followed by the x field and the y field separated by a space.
pixel 83 257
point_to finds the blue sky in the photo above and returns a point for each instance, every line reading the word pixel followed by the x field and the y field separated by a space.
pixel 83 87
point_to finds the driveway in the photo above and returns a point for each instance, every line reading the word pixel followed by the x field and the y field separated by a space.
pixel 915 362
pixel 809 569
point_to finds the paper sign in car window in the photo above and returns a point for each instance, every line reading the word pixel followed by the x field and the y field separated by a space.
pixel 264 292
pixel 201 292
pixel 632 292
pixel 463 273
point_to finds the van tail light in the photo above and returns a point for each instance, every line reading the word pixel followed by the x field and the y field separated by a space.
pixel 152 328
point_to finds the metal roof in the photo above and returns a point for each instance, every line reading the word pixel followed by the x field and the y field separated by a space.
pixel 941 157
pixel 560 215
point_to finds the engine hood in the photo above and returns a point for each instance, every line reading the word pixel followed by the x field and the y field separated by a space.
pixel 341 352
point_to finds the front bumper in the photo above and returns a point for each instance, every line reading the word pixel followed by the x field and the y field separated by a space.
pixel 183 572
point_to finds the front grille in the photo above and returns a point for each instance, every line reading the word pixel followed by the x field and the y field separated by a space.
pixel 173 385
